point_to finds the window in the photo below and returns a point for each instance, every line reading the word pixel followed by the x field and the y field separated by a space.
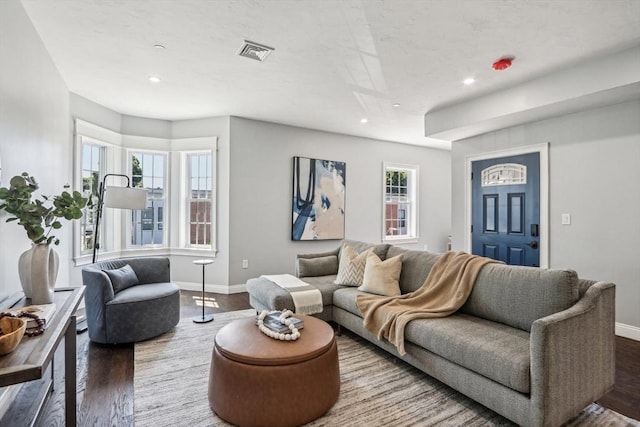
pixel 400 202
pixel 148 170
pixel 179 176
pixel 92 172
pixel 199 203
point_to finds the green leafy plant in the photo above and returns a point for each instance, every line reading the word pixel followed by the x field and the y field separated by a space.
pixel 39 217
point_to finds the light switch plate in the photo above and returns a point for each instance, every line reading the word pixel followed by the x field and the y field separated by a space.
pixel 566 219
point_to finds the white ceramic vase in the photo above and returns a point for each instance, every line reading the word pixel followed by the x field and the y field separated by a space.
pixel 38 269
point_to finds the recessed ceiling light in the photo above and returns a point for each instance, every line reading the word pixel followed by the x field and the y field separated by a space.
pixel 469 81
pixel 154 79
pixel 159 46
pixel 396 105
pixel 363 120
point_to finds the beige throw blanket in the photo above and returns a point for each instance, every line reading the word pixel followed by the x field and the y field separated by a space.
pixel 307 299
pixel 445 290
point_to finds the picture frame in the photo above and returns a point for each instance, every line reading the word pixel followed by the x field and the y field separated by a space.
pixel 318 200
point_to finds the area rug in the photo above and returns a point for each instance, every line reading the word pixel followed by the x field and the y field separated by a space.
pixel 172 372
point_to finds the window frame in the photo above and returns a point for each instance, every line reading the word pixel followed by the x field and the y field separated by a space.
pixel 111 143
pixel 102 167
pixel 165 205
pixel 411 215
pixel 187 200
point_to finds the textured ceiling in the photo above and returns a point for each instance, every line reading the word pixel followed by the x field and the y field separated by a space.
pixel 335 62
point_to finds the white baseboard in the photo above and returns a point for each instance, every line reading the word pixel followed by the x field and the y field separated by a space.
pixel 628 331
pixel 218 289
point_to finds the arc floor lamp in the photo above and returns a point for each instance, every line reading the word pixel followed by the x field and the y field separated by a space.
pixel 118 198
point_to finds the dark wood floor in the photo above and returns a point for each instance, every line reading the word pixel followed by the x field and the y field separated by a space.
pixel 105 374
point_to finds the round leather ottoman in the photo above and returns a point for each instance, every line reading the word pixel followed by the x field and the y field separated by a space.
pixel 259 381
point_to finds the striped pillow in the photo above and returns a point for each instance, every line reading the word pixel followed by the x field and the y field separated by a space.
pixel 351 266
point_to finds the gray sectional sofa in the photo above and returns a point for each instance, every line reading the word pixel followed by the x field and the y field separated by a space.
pixel 534 345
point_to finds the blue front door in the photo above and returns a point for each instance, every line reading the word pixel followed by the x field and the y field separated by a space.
pixel 506 209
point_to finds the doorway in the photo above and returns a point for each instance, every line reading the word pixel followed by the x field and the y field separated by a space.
pixel 507 206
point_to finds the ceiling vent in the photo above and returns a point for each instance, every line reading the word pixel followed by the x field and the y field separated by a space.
pixel 256 51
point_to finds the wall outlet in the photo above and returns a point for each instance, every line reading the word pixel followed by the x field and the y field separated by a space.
pixel 245 263
pixel 566 219
pixel 425 248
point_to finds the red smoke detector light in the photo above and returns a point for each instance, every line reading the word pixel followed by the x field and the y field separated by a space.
pixel 502 64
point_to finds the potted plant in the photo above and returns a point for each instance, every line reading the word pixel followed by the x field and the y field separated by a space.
pixel 38 266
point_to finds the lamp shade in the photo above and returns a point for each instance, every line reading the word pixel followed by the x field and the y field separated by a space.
pixel 125 198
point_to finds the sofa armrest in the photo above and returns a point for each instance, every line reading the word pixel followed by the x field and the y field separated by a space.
pixel 318 264
pixel 573 356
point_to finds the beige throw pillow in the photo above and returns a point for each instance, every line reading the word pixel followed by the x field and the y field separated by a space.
pixel 382 277
pixel 351 266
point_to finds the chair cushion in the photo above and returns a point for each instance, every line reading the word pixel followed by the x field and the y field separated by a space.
pixel 122 278
pixel 141 312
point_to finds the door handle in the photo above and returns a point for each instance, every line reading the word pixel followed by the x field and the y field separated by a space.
pixel 533 244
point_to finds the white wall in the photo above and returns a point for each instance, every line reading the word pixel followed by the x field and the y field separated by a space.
pixel 594 161
pixel 34 132
pixel 261 191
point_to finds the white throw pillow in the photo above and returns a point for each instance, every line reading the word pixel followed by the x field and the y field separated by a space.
pixel 351 266
pixel 382 277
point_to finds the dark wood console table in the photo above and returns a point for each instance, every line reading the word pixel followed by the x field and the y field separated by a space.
pixel 30 360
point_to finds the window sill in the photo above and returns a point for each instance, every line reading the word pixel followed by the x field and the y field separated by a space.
pixel 400 240
pixel 158 251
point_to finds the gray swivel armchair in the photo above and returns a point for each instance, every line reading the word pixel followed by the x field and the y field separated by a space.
pixel 129 300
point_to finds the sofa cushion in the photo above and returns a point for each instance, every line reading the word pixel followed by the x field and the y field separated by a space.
pixel 379 249
pixel 381 277
pixel 492 349
pixel 497 351
pixel 345 299
pixel 517 296
pixel 351 266
pixel 122 278
pixel 415 267
pixel 320 266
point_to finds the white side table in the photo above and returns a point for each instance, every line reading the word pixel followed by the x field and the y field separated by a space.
pixel 208 317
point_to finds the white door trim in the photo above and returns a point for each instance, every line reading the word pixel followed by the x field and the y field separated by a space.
pixel 543 149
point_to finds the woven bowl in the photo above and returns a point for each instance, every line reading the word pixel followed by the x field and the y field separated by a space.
pixel 12 331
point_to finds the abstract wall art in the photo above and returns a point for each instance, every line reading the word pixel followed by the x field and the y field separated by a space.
pixel 318 199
